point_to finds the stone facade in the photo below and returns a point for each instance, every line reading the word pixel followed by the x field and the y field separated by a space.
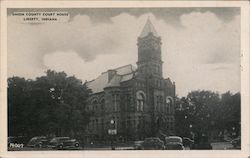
pixel 139 101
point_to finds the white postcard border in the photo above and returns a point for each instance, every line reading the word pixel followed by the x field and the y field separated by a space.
pixel 128 4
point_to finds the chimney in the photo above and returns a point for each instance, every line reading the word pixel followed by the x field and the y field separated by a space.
pixel 111 74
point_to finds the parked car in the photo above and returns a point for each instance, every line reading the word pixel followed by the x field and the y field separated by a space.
pixel 63 143
pixel 38 142
pixel 173 139
pixel 138 145
pixel 153 143
pixel 174 146
pixel 236 143
pixel 187 142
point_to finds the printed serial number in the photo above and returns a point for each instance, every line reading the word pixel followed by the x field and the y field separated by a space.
pixel 15 145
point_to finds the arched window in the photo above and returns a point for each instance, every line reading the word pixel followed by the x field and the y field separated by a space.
pixel 102 105
pixel 140 97
pixel 94 105
pixel 169 104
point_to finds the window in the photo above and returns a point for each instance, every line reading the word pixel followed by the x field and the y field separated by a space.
pixel 94 102
pixel 140 102
pixel 102 105
pixel 160 102
pixel 94 105
pixel 128 122
pixel 117 123
pixel 115 100
pixel 102 124
pixel 169 104
pixel 95 124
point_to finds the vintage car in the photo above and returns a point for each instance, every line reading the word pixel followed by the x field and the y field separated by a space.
pixel 187 142
pixel 38 142
pixel 153 143
pixel 63 143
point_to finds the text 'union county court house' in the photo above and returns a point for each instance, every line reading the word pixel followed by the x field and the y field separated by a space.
pixel 138 103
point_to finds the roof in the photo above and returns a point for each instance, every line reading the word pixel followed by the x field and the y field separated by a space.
pixel 147 29
pixel 99 83
pixel 123 73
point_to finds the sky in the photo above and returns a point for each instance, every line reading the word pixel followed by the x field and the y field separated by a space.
pixel 200 46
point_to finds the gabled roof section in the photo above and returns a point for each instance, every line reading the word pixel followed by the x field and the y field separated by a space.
pixel 123 73
pixel 126 69
pixel 149 27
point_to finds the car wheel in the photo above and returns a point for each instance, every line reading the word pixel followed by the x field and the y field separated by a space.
pixel 40 145
pixel 60 146
pixel 76 145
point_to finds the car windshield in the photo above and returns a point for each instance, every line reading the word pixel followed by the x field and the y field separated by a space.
pixel 177 140
pixel 138 142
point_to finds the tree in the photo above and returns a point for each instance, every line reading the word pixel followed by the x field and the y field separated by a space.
pixel 229 113
pixel 205 104
pixel 18 106
pixel 206 112
pixel 51 104
pixel 183 117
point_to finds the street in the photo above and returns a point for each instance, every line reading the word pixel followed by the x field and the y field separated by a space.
pixel 215 146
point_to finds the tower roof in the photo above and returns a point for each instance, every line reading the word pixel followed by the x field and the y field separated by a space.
pixel 149 27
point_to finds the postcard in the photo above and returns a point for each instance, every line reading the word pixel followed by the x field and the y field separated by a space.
pixel 124 79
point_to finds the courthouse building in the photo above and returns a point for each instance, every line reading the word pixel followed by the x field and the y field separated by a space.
pixel 136 102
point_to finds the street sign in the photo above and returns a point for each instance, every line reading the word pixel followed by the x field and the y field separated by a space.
pixel 112 131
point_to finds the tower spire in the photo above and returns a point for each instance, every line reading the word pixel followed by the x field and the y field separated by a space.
pixel 148 28
pixel 149 51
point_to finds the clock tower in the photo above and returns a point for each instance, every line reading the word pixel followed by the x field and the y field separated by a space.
pixel 149 51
